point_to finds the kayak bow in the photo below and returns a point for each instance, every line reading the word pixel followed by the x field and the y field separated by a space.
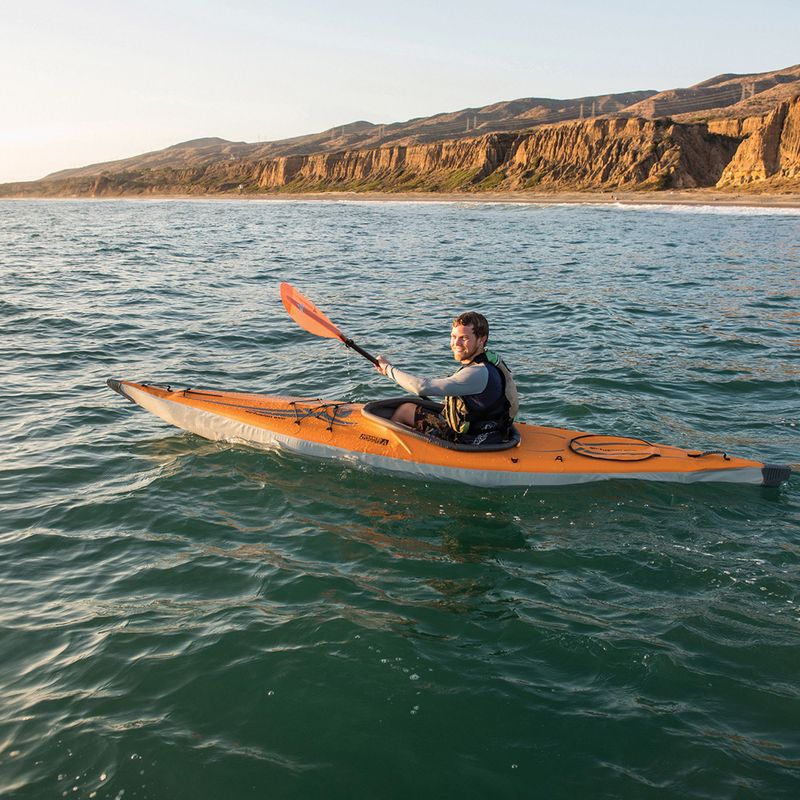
pixel 538 456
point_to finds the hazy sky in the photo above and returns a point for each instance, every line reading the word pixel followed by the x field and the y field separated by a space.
pixel 89 80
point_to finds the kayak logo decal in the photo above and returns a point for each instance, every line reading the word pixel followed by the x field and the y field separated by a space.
pixel 374 439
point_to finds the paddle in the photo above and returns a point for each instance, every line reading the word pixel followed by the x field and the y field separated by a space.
pixel 311 319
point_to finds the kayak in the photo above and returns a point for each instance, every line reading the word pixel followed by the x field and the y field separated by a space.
pixel 363 433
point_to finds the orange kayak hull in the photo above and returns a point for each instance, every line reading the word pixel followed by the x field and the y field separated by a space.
pixel 542 456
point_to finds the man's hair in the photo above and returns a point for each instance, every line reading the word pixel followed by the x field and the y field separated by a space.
pixel 480 325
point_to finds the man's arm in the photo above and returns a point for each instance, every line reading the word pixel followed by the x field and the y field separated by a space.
pixel 469 380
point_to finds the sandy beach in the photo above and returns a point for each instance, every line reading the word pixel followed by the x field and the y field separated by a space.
pixel 689 197
pixel 684 197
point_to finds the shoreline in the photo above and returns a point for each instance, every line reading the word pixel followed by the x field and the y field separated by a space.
pixel 668 197
pixel 683 197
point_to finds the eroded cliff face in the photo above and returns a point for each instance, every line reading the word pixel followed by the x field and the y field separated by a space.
pixel 619 153
pixel 597 154
pixel 760 152
pixel 440 165
pixel 770 155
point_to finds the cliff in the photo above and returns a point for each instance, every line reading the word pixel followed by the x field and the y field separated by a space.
pixel 770 155
pixel 612 154
pixel 735 97
pixel 761 153
pixel 596 154
pixel 511 115
pixel 440 166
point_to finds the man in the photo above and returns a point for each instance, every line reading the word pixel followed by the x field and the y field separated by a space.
pixel 480 398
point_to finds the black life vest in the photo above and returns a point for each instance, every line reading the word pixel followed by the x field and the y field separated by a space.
pixel 488 410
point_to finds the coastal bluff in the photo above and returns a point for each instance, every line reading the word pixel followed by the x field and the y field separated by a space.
pixel 728 150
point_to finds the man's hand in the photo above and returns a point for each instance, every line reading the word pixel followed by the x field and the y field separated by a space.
pixel 382 365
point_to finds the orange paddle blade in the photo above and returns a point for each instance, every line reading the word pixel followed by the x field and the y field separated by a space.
pixel 307 315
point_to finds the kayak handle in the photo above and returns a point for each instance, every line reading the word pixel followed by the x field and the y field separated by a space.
pixel 722 453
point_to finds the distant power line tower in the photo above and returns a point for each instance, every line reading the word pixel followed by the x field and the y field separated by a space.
pixel 748 90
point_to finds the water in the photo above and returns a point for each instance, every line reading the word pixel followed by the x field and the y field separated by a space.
pixel 180 618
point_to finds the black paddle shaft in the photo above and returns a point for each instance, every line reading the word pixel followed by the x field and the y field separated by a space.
pixel 353 346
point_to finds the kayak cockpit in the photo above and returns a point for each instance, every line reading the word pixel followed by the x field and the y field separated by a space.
pixel 380 412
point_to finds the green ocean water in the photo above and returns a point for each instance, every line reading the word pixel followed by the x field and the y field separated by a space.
pixel 181 618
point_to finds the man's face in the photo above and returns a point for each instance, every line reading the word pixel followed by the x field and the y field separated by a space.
pixel 465 344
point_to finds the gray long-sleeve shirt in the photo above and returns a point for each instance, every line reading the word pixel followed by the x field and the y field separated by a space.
pixel 471 379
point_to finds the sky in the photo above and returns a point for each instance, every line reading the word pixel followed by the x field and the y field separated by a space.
pixel 85 81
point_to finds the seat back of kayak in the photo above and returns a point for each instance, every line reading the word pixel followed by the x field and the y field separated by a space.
pixel 380 412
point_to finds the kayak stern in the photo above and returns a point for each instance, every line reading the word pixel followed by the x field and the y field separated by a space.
pixel 775 474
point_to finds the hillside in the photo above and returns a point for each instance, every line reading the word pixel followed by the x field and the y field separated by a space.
pixel 728 131
pixel 467 123
pixel 728 96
